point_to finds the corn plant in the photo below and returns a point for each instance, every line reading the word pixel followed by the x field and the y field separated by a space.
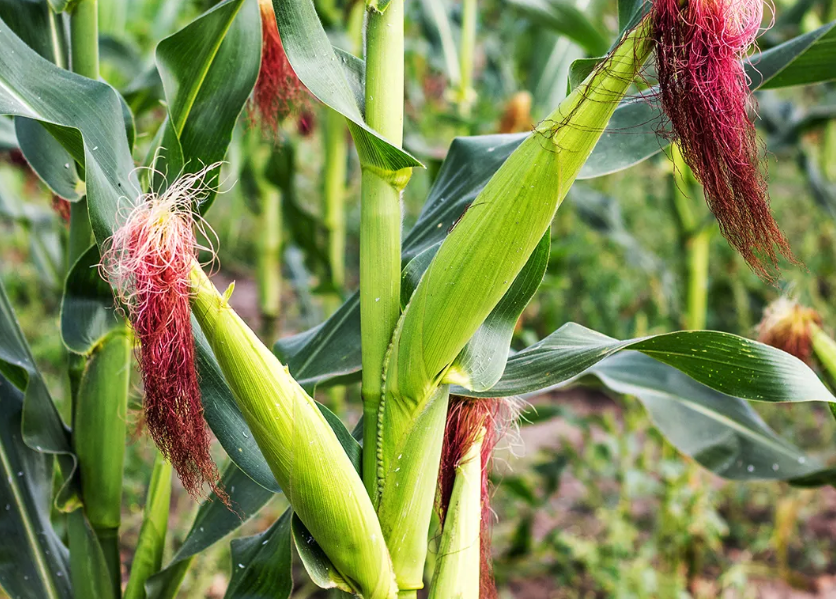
pixel 428 333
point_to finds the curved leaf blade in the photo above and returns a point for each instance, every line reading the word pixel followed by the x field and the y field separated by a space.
pixel 319 68
pixel 33 561
pixel 721 432
pixel 262 564
pixel 722 361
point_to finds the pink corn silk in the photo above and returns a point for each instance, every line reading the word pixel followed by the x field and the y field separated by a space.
pixel 704 92
pixel 151 263
pixel 278 91
pixel 465 419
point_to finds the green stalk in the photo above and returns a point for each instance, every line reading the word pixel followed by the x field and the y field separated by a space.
pixel 149 549
pixel 336 156
pixel 380 217
pixel 84 46
pixel 471 272
pixel 466 51
pixel 697 240
pixel 101 390
pixel 825 349
pixel 459 553
pixel 99 440
pixel 269 259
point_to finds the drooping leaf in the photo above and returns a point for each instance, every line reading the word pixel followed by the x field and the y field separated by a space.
pixel 33 561
pixel 88 568
pixel 211 524
pixel 566 19
pixel 49 159
pixel 722 432
pixel 722 361
pixel 208 70
pixel 88 311
pixel 42 429
pixel 34 88
pixel 262 564
pixel 34 23
pixel 320 69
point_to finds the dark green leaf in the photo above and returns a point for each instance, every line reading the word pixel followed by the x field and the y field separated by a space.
pixel 321 70
pixel 721 432
pixel 213 522
pixel 803 60
pixel 33 562
pixel 318 566
pixel 262 564
pixel 48 159
pixel 566 19
pixel 724 362
pixel 208 70
pixel 34 23
pixel 88 311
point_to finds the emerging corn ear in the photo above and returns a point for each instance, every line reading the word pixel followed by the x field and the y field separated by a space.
pixel 472 270
pixel 148 261
pixel 302 450
pixel 789 326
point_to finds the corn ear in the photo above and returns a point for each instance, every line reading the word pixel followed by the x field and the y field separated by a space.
pixel 471 272
pixel 149 549
pixel 99 439
pixel 457 573
pixel 300 447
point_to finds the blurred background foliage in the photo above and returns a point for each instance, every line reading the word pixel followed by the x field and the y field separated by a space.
pixel 593 501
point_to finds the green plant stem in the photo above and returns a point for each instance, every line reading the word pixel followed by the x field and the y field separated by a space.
pixel 380 219
pixel 149 549
pixel 697 241
pixel 466 52
pixel 269 259
pixel 336 156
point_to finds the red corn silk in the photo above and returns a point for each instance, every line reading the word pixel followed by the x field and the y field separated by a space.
pixel 278 91
pixel 148 261
pixel 61 207
pixel 466 419
pixel 704 92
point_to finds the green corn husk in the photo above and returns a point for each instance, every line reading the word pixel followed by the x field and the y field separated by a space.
pixel 457 573
pixel 99 440
pixel 471 272
pixel 302 450
pixel 149 549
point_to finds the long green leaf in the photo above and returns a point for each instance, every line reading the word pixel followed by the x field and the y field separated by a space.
pixel 211 524
pixel 319 66
pixel 88 568
pixel 262 564
pixel 208 70
pixel 721 361
pixel 721 432
pixel 33 561
pixel 565 18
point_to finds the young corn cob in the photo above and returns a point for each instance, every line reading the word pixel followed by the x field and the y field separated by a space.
pixel 302 450
pixel 789 326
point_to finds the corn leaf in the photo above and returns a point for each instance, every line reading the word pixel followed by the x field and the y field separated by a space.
pixel 88 568
pixel 262 564
pixel 211 524
pixel 722 361
pixel 722 432
pixel 320 68
pixel 565 18
pixel 317 565
pixel 48 159
pixel 88 312
pixel 148 556
pixel 208 70
pixel 8 139
pixel 42 429
pixel 33 561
